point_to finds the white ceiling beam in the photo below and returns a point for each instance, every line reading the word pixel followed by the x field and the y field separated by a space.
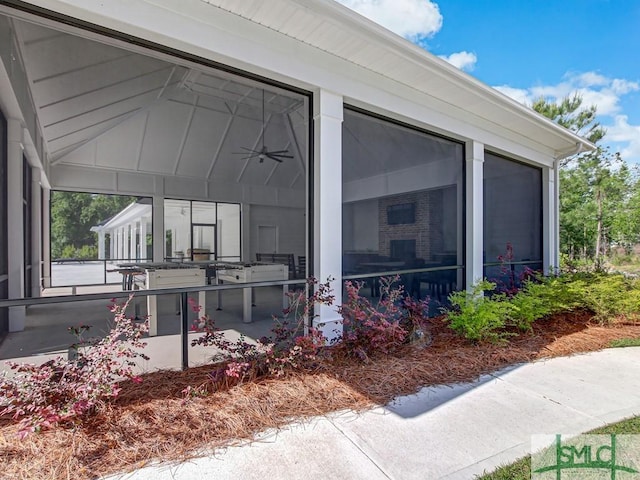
pixel 225 133
pixel 141 142
pixel 79 69
pixel 185 135
pixel 103 87
pixel 295 179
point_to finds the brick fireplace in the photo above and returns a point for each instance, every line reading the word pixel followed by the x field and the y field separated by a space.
pixel 421 237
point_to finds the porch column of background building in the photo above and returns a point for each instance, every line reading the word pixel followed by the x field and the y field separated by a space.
pixel 46 237
pixel 36 233
pixel 475 212
pixel 120 243
pixel 112 245
pixel 143 238
pixel 101 246
pixel 133 250
pixel 114 242
pixel 327 224
pixel 15 244
pixel 125 243
pixel 549 238
pixel 116 234
pixel 157 221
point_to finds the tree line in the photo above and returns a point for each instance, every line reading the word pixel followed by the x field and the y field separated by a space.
pixel 599 194
pixel 72 216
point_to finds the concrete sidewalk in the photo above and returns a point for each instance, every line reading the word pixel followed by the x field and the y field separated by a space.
pixel 452 432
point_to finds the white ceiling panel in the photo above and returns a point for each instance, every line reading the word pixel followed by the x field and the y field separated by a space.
pixel 161 144
pixel 206 133
pixel 121 148
pixel 84 155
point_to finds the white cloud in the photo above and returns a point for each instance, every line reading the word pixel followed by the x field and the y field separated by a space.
pixel 626 135
pixel 411 19
pixel 590 79
pixel 595 89
pixel 462 60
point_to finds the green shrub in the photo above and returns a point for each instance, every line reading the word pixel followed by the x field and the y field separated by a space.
pixel 68 251
pixel 611 296
pixel 87 252
pixel 526 309
pixel 478 317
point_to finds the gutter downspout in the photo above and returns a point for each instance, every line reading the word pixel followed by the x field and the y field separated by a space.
pixel 579 148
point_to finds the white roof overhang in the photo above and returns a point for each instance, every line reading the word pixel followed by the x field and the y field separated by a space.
pixel 336 29
pixel 240 32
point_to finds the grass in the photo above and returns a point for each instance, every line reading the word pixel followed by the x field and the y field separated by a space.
pixel 625 342
pixel 521 469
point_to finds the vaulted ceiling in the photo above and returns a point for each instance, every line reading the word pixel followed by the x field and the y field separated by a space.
pixel 105 107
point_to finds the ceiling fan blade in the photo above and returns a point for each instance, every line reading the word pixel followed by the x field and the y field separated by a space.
pixel 269 155
pixel 278 151
pixel 279 155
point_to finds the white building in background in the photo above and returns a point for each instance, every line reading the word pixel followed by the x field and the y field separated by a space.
pixel 124 236
pixel 324 136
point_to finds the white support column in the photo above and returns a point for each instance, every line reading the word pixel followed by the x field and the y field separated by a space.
pixel 327 219
pixel 115 234
pixel 46 238
pixel 15 242
pixel 132 229
pixel 112 244
pixel 246 233
pixel 143 238
pixel 101 244
pixel 158 229
pixel 121 256
pixel 556 211
pixel 36 233
pixel 475 212
pixel 125 242
pixel 550 244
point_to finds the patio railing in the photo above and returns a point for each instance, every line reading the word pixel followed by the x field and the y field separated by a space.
pixel 183 292
pixel 75 272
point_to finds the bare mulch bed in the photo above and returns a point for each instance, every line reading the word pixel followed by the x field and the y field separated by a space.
pixel 151 421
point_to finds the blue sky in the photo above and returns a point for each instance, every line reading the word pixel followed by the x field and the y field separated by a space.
pixel 533 48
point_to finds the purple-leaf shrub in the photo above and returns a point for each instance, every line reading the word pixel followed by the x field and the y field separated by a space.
pixel 369 328
pixel 291 345
pixel 508 282
pixel 41 396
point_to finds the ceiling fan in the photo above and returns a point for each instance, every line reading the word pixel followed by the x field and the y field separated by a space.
pixel 264 152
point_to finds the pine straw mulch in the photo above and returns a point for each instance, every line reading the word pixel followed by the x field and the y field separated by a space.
pixel 151 421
